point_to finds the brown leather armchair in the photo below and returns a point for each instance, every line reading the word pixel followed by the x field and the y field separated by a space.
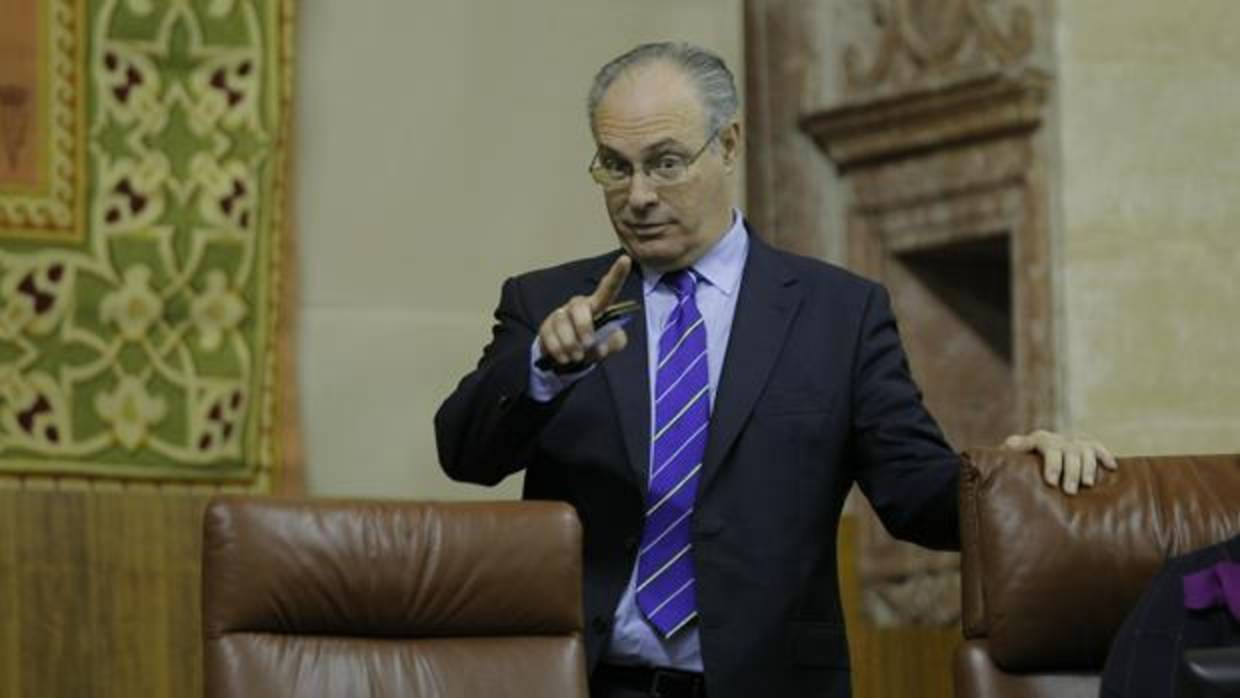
pixel 419 600
pixel 1048 579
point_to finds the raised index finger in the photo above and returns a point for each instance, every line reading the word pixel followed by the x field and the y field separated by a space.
pixel 611 284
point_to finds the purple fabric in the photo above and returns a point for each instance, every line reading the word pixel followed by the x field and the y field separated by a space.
pixel 666 591
pixel 1215 586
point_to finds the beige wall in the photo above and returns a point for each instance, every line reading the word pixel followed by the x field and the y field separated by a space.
pixel 1150 229
pixel 442 147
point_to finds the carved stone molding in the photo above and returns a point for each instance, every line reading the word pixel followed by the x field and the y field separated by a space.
pixel 920 40
pixel 938 147
pixel 904 124
pixel 940 176
pixel 934 114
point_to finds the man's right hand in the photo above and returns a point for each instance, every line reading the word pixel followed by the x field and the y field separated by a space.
pixel 566 334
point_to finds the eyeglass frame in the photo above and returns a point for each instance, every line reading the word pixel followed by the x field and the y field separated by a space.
pixel 596 166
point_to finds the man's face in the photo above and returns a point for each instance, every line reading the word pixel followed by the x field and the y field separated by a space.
pixel 650 111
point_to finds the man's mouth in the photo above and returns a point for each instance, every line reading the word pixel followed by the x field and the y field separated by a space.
pixel 648 227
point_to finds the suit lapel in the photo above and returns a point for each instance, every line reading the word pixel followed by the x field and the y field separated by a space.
pixel 769 298
pixel 628 377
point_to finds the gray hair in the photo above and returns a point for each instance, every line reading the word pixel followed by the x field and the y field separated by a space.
pixel 704 69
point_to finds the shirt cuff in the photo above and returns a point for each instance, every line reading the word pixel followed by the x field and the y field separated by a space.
pixel 546 385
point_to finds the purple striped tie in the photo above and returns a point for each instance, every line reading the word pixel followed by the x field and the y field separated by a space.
pixel 665 584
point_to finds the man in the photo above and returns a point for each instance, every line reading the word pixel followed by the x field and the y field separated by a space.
pixel 709 445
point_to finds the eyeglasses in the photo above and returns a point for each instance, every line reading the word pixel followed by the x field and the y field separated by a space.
pixel 664 169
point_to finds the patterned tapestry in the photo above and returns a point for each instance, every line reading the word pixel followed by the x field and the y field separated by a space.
pixel 143 215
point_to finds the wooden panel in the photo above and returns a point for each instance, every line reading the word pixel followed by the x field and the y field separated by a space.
pixel 891 662
pixel 99 590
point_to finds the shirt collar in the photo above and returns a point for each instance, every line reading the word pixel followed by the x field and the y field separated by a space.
pixel 722 264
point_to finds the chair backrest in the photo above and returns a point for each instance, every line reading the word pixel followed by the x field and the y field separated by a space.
pixel 420 600
pixel 1047 579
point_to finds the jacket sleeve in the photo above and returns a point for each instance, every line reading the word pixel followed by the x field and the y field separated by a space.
pixel 488 427
pixel 903 463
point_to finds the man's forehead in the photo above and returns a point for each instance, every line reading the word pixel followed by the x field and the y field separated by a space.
pixel 647 105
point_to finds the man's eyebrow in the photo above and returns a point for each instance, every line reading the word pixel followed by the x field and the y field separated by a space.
pixel 657 145
pixel 610 151
pixel 663 145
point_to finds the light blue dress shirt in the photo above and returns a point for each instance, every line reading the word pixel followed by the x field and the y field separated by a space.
pixel 633 640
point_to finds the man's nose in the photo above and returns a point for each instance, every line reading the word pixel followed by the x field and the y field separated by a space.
pixel 642 192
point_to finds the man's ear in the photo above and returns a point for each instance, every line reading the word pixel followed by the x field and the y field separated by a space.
pixel 730 141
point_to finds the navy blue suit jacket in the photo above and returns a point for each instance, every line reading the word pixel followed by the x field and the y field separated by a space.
pixel 815 395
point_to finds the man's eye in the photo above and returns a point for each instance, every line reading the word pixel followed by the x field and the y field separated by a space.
pixel 615 166
pixel 668 163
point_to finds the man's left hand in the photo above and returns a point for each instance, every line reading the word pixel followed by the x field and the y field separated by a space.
pixel 1067 463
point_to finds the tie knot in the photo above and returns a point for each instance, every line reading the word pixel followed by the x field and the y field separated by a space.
pixel 682 281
